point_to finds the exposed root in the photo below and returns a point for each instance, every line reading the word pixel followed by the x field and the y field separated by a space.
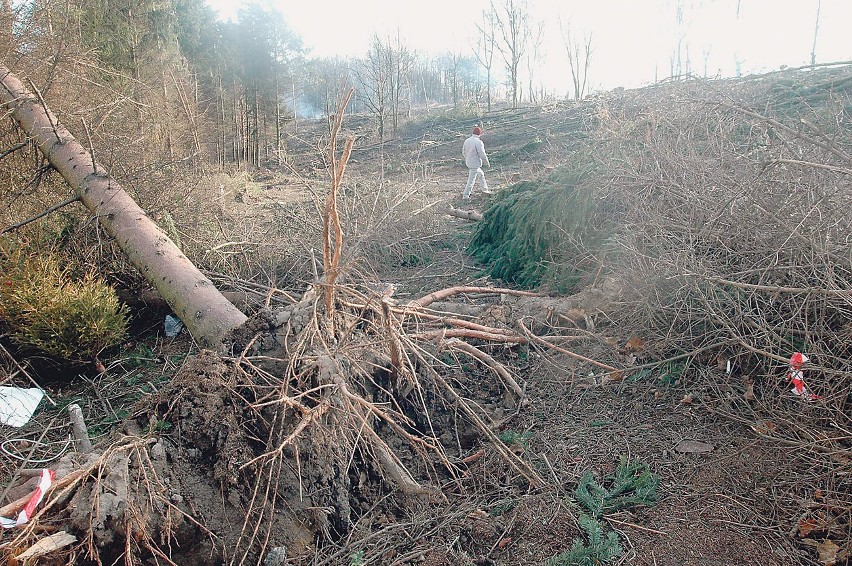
pixel 517 463
pixel 391 465
pixel 498 368
pixel 356 387
pixel 574 355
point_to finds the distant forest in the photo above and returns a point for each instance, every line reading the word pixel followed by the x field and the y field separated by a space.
pixel 227 89
pixel 236 83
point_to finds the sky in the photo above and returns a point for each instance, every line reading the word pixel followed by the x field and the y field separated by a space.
pixel 632 40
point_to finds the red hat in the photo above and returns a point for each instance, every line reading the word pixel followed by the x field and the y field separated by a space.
pixel 477 131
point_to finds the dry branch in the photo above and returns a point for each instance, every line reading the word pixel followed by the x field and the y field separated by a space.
pixel 824 145
pixel 496 367
pixel 735 240
pixel 781 289
pixel 513 460
pixel 452 321
pixel 452 291
pixel 41 214
pixel 14 148
pixel 809 164
pixel 496 337
pixel 331 230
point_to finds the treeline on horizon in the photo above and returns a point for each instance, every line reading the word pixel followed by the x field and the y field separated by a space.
pixel 224 90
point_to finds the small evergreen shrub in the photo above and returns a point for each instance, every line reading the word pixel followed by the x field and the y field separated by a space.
pixel 631 485
pixel 44 309
pixel 600 548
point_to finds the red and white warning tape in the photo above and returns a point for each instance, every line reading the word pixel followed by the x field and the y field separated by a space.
pixel 797 378
pixel 44 484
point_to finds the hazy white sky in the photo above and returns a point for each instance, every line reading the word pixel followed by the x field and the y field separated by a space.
pixel 633 40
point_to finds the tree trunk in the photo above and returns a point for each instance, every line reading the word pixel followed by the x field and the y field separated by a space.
pixel 207 314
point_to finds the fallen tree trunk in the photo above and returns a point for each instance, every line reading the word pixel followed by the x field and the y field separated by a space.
pixel 207 314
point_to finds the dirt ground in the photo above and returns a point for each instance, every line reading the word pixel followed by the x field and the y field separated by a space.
pixel 727 496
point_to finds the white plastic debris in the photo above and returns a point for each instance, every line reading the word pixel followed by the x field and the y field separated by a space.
pixel 173 325
pixel 17 405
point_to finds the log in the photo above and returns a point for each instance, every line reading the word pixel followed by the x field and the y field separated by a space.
pixel 207 314
pixel 465 214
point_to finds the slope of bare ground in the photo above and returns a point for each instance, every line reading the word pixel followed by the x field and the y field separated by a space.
pixel 729 493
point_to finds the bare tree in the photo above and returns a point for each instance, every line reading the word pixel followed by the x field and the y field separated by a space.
pixel 374 82
pixel 579 58
pixel 485 46
pixel 426 75
pixel 460 78
pixel 816 34
pixel 399 59
pixel 534 53
pixel 513 23
pixel 679 62
pixel 453 80
pixel 384 80
pixel 738 62
pixel 680 65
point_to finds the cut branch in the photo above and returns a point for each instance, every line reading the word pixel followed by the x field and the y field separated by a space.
pixel 780 289
pixel 464 214
pixel 828 147
pixel 460 323
pixel 468 333
pixel 809 164
pixel 13 149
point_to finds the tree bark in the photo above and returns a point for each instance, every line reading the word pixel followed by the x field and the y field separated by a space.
pixel 207 314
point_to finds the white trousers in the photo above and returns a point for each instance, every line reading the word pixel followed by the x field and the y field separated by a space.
pixel 473 176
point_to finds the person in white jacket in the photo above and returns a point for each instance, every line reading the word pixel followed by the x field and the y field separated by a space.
pixel 475 157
